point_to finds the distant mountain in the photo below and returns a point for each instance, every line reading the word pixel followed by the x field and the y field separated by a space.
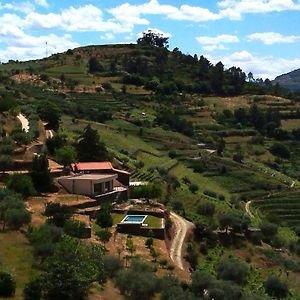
pixel 290 80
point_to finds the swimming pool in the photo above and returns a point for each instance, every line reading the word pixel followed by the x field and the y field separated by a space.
pixel 134 219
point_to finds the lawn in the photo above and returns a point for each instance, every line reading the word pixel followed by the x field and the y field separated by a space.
pixel 16 258
pixel 153 222
pixel 117 218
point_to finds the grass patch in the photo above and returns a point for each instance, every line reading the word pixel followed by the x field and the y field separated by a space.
pixel 16 258
pixel 117 218
pixel 153 222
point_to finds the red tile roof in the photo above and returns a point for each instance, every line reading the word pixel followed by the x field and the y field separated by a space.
pixel 89 166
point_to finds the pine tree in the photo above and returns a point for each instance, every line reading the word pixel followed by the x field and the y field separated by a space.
pixel 90 147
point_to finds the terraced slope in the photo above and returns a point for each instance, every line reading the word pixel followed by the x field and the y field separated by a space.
pixel 283 207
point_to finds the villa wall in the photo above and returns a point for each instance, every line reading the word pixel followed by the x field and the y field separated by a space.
pixel 137 229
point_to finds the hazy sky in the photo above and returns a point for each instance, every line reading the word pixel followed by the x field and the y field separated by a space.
pixel 262 36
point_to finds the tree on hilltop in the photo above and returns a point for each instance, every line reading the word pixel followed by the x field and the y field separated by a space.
pixel 153 39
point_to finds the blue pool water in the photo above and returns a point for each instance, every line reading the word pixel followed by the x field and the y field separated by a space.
pixel 134 219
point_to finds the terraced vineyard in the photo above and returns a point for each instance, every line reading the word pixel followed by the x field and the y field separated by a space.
pixel 283 207
pixel 138 175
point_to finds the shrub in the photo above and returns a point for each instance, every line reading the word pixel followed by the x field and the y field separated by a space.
pixel 269 230
pixel 172 154
pixel 104 235
pixel 33 290
pixel 146 191
pixel 193 188
pixel 149 242
pixel 111 265
pixel 107 86
pixel 75 228
pixel 104 218
pixel 201 280
pixel 221 197
pixel 143 288
pixel 177 204
pixel 274 287
pixel 224 290
pixel 210 193
pixel 232 269
pixel 206 209
pixel 57 214
pixel 280 150
pixel 7 285
pixel 22 184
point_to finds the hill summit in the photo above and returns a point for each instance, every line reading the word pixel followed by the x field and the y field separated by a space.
pixel 290 80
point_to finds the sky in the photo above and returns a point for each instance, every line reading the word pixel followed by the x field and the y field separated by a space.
pixel 261 36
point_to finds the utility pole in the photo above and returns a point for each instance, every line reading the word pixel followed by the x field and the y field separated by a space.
pixel 46 49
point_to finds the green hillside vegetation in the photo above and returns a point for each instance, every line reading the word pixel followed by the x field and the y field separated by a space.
pixel 222 147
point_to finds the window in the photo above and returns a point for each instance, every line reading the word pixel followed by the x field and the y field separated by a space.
pixel 98 188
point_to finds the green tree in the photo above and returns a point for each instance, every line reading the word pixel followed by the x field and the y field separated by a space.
pixel 40 173
pixel 20 137
pixel 104 218
pixel 149 242
pixel 129 245
pixel 56 142
pixel 111 266
pixel 193 188
pixel 201 280
pixel 70 271
pixel 75 228
pixel 94 65
pixel 33 290
pixel 280 150
pixel 177 204
pixel 269 230
pixel 90 147
pixel 7 285
pixel 22 184
pixel 236 221
pixel 143 288
pixel 7 102
pixel 50 113
pixel 275 287
pixel 225 290
pixel 233 269
pixel 17 217
pixel 217 78
pixel 153 39
pixel 43 239
pixel 65 155
pixel 58 214
pixel 171 289
pixel 104 235
pixel 6 162
pixel 12 210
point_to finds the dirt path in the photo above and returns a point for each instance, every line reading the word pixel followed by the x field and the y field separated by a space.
pixel 49 134
pixel 293 184
pixel 248 211
pixel 24 121
pixel 182 228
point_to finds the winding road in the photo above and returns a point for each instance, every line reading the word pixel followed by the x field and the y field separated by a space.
pixel 248 211
pixel 182 228
pixel 24 121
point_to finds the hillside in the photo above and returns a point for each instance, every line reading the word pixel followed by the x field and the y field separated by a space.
pixel 222 152
pixel 290 80
pixel 142 68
